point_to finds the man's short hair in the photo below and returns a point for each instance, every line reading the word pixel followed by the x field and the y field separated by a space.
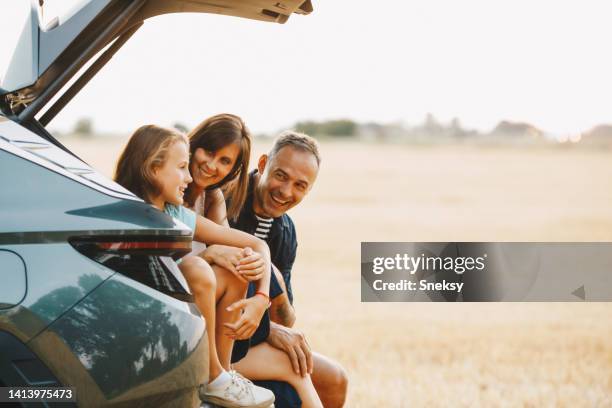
pixel 298 141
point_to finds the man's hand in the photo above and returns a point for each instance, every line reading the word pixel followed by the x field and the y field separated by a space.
pixel 251 265
pixel 295 345
pixel 246 264
pixel 253 309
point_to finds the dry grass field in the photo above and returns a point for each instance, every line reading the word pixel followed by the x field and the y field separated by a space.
pixel 426 354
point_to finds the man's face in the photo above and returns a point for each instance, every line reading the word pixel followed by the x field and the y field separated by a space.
pixel 284 181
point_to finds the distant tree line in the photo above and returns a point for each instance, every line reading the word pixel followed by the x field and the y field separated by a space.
pixel 339 127
pixel 429 129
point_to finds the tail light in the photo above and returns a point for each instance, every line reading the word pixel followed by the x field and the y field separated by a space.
pixel 148 260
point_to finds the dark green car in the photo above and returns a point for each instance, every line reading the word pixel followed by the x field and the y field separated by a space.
pixel 90 294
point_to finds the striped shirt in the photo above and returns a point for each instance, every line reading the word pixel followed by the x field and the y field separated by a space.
pixel 263 227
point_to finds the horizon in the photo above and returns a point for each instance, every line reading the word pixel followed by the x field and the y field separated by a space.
pixel 403 124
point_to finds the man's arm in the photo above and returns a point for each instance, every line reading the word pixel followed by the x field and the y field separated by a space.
pixel 281 310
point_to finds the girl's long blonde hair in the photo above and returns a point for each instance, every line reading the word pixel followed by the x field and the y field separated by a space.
pixel 147 149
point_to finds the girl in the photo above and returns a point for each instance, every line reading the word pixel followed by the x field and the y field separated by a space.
pixel 155 166
pixel 220 149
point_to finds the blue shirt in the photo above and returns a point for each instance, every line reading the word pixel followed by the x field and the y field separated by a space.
pixel 184 215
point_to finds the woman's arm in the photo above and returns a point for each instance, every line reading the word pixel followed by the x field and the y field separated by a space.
pixel 209 232
pixel 214 207
pixel 225 256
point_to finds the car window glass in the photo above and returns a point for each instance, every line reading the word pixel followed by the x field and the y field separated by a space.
pixel 60 9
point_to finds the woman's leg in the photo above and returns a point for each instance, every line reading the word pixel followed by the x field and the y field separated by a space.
pixel 223 389
pixel 264 362
pixel 230 289
pixel 202 284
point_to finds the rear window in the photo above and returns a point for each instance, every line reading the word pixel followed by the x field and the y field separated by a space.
pixel 55 12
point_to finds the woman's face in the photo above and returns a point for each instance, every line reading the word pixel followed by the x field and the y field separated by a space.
pixel 208 168
pixel 173 177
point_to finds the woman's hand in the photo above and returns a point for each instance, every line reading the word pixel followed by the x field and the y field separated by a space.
pixel 246 264
pixel 253 309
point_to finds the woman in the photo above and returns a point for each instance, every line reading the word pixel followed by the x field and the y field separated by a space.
pixel 220 149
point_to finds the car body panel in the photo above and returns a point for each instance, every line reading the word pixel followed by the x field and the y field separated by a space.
pixel 40 206
pixel 24 143
pixel 54 287
pixel 121 344
pixel 127 343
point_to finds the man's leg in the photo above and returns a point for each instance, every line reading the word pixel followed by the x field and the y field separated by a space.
pixel 330 381
pixel 285 396
pixel 264 362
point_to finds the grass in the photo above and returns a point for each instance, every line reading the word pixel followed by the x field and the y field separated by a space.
pixel 425 354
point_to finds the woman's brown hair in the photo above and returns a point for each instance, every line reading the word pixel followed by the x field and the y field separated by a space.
pixel 213 134
pixel 146 150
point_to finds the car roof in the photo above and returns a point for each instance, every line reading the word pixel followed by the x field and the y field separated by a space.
pixel 46 58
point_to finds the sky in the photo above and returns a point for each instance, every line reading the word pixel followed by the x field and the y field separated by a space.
pixel 543 62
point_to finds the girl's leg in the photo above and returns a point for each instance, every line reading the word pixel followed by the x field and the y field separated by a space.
pixel 230 289
pixel 202 284
pixel 264 362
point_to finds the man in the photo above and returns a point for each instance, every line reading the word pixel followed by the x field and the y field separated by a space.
pixel 283 178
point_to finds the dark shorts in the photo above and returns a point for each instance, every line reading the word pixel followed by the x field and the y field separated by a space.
pixel 285 396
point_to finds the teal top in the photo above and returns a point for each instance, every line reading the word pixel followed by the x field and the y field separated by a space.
pixel 184 215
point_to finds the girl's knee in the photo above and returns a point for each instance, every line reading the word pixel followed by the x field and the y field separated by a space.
pixel 199 274
pixel 229 279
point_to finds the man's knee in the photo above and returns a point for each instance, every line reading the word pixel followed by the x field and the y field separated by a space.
pixel 337 380
pixel 341 379
pixel 331 382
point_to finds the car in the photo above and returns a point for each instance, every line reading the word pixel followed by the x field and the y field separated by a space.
pixel 91 296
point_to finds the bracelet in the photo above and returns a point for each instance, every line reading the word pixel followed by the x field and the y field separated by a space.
pixel 266 296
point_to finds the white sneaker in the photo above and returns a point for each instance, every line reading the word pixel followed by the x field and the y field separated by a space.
pixel 237 393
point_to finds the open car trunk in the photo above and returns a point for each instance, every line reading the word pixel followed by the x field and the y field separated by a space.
pixel 46 58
